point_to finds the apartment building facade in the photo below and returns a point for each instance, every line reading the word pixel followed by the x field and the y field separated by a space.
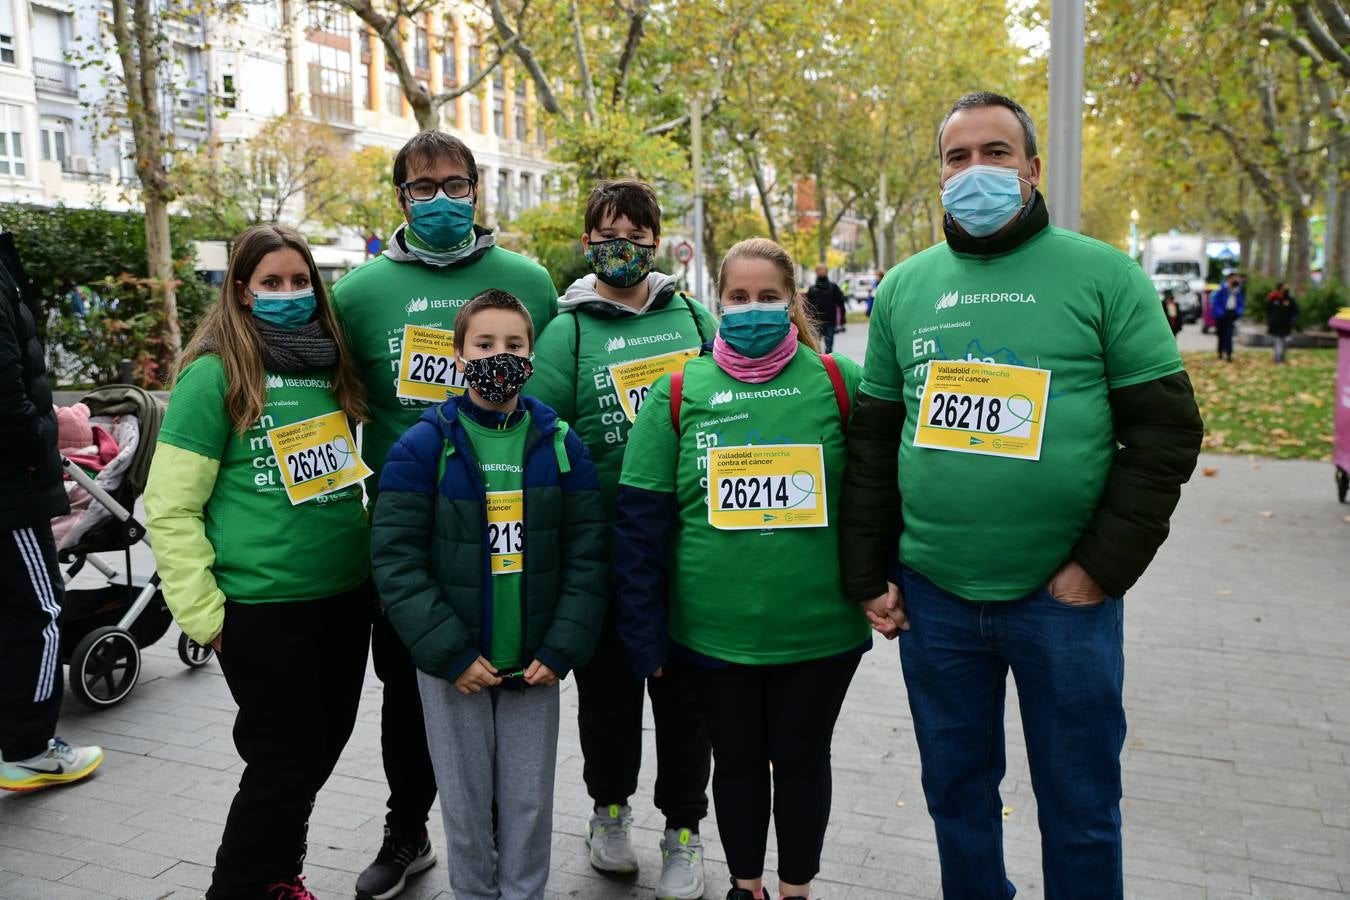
pixel 61 141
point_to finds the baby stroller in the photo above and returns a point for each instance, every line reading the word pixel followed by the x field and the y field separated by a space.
pixel 104 628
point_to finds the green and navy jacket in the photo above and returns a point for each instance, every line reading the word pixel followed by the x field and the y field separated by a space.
pixel 431 558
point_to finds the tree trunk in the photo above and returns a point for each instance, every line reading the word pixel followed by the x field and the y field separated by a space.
pixel 428 115
pixel 822 234
pixel 1269 244
pixel 1340 253
pixel 159 253
pixel 1246 240
pixel 1300 247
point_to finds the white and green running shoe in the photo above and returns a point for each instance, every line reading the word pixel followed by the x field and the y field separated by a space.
pixel 681 866
pixel 60 763
pixel 611 840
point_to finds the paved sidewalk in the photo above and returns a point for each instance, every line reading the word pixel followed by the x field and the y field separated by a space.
pixel 1237 762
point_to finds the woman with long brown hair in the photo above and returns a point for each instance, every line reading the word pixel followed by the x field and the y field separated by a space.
pixel 254 509
pixel 726 562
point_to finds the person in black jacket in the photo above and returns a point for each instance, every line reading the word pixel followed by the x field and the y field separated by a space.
pixel 825 303
pixel 30 583
pixel 1281 317
pixel 1017 448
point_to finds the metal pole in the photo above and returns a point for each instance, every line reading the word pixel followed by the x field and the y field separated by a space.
pixel 696 139
pixel 1065 147
pixel 881 222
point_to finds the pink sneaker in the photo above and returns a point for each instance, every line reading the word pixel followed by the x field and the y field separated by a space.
pixel 291 889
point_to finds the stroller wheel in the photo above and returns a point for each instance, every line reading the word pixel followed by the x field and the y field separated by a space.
pixel 104 667
pixel 193 654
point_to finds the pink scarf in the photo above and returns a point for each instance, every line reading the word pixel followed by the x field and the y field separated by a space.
pixel 755 371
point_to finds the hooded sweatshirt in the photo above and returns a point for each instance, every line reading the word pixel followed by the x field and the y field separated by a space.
pixel 595 363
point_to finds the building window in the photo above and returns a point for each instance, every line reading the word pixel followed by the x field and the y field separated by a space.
pixel 499 116
pixel 329 18
pixel 449 52
pixel 526 191
pixel 126 146
pixel 475 104
pixel 503 194
pixel 422 51
pixel 363 85
pixel 519 109
pixel 393 93
pixel 363 44
pixel 475 57
pixel 11 140
pixel 264 13
pixel 228 95
pixel 7 49
pixel 330 83
pixel 56 141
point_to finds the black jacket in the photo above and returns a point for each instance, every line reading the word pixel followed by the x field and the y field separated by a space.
pixel 1281 314
pixel 1158 429
pixel 824 301
pixel 30 467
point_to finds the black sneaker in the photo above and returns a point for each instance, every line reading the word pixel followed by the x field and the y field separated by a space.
pixel 398 858
pixel 740 893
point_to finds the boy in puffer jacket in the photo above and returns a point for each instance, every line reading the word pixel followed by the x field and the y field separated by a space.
pixel 489 550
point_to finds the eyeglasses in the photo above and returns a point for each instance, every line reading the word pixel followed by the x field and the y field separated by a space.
pixel 425 189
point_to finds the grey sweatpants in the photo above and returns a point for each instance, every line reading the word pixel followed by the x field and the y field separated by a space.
pixel 498 745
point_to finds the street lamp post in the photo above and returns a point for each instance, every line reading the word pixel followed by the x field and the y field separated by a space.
pixel 1065 145
pixel 696 138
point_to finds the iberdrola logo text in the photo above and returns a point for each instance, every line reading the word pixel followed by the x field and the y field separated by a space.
pixel 720 397
pixel 952 298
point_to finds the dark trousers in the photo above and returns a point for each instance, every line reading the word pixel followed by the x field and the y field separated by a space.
pixel 296 670
pixel 30 640
pixel 774 722
pixel 1224 325
pixel 827 331
pixel 609 716
pixel 403 735
pixel 1069 666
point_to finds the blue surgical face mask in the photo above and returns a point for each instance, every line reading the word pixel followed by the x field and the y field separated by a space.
pixel 982 199
pixel 441 222
pixel 753 329
pixel 284 309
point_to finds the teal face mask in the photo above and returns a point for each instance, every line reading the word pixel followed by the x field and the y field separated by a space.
pixel 982 199
pixel 284 309
pixel 441 222
pixel 753 329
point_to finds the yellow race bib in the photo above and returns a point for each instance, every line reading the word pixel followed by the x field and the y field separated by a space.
pixel 317 456
pixel 767 486
pixel 976 407
pixel 633 380
pixel 506 531
pixel 426 370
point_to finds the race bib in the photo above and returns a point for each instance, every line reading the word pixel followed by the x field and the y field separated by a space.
pixel 316 457
pixel 975 407
pixel 767 486
pixel 426 370
pixel 633 380
pixel 506 531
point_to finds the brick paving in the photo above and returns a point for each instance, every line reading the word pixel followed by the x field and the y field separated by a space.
pixel 1237 762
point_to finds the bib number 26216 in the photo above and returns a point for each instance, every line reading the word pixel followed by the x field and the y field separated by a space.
pixel 316 456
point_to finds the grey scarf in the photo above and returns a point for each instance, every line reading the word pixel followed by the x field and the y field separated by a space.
pixel 293 350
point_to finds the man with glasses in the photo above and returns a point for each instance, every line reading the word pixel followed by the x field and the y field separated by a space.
pixel 397 313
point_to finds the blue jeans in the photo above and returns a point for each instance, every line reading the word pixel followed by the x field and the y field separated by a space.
pixel 1069 666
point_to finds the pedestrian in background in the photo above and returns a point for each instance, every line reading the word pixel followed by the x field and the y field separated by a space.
pixel 826 306
pixel 1228 303
pixel 732 576
pixel 1172 310
pixel 279 589
pixel 31 589
pixel 1281 318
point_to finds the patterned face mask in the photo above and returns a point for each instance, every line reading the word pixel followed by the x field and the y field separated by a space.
pixel 619 262
pixel 499 378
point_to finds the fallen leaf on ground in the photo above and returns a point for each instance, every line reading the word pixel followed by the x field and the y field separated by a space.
pixel 1210 471
pixel 1266 514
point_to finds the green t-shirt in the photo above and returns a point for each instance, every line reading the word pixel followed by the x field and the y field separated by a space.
pixel 500 454
pixel 574 379
pixel 749 596
pixel 267 550
pixel 994 528
pixel 375 300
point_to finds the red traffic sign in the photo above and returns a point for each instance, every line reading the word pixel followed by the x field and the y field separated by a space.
pixel 684 252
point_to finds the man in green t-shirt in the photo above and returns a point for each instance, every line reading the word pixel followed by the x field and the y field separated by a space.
pixel 397 313
pixel 1026 382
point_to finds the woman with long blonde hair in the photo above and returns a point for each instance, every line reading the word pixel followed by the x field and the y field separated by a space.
pixel 254 510
pixel 726 561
